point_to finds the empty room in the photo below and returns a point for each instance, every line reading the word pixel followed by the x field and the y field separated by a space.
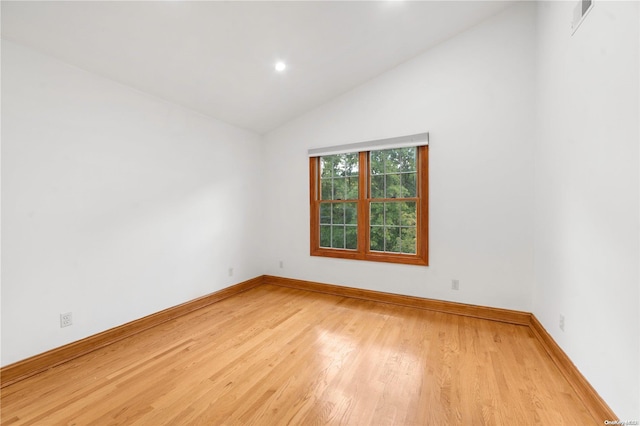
pixel 320 212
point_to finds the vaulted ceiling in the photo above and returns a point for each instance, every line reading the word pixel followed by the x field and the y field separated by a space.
pixel 218 57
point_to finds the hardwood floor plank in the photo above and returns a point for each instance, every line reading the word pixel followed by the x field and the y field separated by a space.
pixel 39 363
pixel 274 355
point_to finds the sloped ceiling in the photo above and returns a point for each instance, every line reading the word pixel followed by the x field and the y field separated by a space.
pixel 218 57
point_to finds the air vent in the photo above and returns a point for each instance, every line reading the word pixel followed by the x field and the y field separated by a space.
pixel 579 13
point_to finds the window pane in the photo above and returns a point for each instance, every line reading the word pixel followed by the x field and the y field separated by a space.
pixel 393 186
pixel 339 176
pixel 408 213
pixel 407 159
pixel 398 160
pixel 377 214
pixel 352 188
pixel 338 213
pixel 325 213
pixel 351 237
pixel 339 188
pixel 377 238
pixel 392 224
pixel 335 170
pixel 408 238
pixel 349 164
pixel 377 162
pixel 339 165
pixel 408 184
pixel 392 239
pixel 392 214
pixel 326 192
pixel 393 160
pixel 337 239
pixel 398 167
pixel 377 186
pixel 326 166
pixel 325 236
pixel 351 213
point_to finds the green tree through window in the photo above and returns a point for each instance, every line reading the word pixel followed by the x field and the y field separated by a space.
pixel 393 208
pixel 371 205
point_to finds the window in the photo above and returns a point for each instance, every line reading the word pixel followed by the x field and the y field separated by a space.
pixel 371 204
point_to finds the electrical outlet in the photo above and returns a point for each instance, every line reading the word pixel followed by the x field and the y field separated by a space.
pixel 230 272
pixel 281 264
pixel 66 320
pixel 561 322
pixel 455 284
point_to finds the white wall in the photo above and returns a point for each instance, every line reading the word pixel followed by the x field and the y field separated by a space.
pixel 586 185
pixel 475 95
pixel 115 205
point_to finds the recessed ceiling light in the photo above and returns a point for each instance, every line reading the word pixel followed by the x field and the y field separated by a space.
pixel 280 66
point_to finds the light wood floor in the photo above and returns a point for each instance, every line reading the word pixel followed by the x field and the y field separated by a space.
pixel 274 355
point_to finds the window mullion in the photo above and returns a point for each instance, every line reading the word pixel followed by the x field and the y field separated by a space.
pixel 363 205
pixel 422 223
pixel 314 204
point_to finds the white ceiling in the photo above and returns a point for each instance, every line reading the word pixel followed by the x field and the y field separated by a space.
pixel 218 57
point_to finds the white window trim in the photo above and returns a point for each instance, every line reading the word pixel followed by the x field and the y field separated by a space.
pixel 419 139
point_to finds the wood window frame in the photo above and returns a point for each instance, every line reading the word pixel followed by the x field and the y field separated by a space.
pixel 363 252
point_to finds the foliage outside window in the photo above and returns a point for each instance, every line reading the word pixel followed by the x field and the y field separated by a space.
pixel 371 205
